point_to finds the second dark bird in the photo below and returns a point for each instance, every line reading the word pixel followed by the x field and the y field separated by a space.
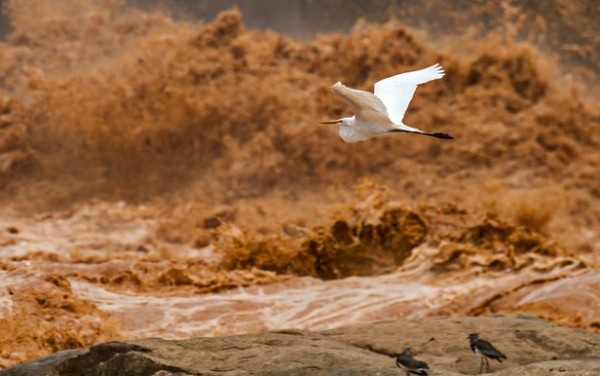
pixel 485 350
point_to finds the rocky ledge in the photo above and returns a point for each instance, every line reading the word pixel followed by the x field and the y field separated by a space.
pixel 533 347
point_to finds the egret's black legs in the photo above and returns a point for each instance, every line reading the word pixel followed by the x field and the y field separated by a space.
pixel 442 135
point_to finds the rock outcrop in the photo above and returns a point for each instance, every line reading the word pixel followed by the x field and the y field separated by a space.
pixel 533 348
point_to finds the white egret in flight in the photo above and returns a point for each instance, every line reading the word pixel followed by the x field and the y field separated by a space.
pixel 382 112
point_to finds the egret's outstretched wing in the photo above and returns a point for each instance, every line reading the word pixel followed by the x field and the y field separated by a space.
pixel 366 106
pixel 396 92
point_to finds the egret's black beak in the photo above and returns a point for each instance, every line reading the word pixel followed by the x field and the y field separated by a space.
pixel 338 121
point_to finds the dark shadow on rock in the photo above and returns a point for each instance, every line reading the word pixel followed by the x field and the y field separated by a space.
pixel 43 366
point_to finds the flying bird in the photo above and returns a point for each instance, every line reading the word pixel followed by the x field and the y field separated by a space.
pixel 484 350
pixel 382 111
pixel 411 365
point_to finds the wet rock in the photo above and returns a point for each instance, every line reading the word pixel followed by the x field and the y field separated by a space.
pixel 43 366
pixel 533 347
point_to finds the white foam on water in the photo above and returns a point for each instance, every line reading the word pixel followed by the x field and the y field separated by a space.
pixel 305 303
pixel 564 288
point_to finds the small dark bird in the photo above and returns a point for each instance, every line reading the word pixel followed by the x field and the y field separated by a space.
pixel 485 350
pixel 410 364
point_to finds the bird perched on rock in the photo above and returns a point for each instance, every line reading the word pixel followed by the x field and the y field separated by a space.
pixel 485 350
pixel 411 365
pixel 382 111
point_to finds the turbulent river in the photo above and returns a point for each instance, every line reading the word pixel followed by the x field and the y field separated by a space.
pixel 163 176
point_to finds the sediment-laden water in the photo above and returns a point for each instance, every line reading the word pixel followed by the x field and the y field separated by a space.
pixel 161 176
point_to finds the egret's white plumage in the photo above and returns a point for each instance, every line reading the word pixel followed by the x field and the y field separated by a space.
pixel 382 112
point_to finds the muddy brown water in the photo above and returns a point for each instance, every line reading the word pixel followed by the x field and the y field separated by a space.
pixel 161 176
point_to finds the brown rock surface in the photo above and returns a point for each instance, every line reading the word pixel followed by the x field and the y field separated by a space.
pixel 533 347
